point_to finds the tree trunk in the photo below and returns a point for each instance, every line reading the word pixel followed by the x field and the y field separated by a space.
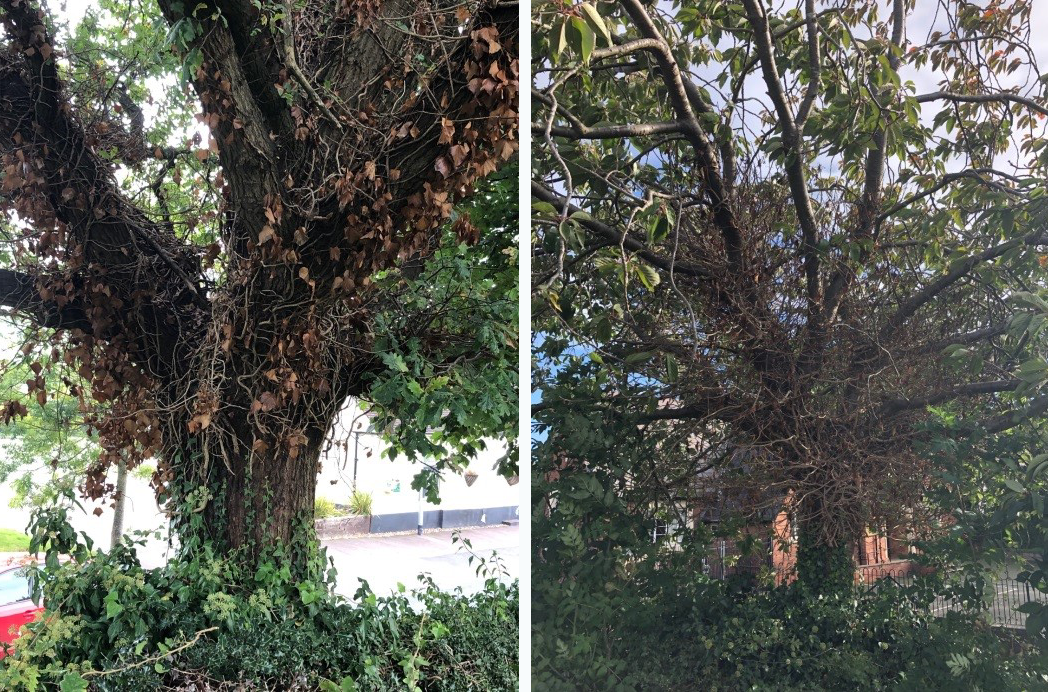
pixel 823 567
pixel 825 564
pixel 255 506
pixel 119 504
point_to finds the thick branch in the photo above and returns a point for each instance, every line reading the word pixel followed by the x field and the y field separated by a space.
pixel 704 149
pixel 610 131
pixel 960 270
pixel 869 204
pixel 794 152
pixel 893 406
pixel 18 292
pixel 1009 420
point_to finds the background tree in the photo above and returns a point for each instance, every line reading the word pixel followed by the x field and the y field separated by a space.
pixel 47 452
pixel 778 236
pixel 224 292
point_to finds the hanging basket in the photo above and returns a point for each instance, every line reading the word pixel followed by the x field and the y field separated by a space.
pixel 471 477
pixel 513 480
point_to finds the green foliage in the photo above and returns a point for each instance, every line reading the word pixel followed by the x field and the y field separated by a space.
pixel 324 508
pixel 46 452
pixel 125 63
pixel 994 490
pixel 438 399
pixel 783 639
pixel 614 609
pixel 360 503
pixel 636 616
pixel 113 623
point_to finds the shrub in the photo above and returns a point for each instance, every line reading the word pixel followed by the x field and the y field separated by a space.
pixel 614 610
pixel 360 503
pixel 324 508
pixel 201 623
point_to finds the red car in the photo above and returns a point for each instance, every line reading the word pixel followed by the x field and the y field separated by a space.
pixel 16 607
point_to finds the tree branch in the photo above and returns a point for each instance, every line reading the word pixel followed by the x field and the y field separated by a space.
pixel 610 131
pixel 1009 420
pixel 671 74
pixel 894 406
pixel 960 270
pixel 18 292
pixel 794 148
pixel 999 97
pixel 540 192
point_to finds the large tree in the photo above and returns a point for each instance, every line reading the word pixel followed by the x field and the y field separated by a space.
pixel 224 285
pixel 775 237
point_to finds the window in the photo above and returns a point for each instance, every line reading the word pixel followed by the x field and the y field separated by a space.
pixel 662 529
pixel 14 586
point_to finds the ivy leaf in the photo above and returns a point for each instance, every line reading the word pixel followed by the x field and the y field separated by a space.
pixel 73 682
pixel 113 605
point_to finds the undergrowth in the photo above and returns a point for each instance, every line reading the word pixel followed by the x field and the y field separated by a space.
pixel 202 623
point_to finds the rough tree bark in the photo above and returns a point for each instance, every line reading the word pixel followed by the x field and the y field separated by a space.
pixel 342 152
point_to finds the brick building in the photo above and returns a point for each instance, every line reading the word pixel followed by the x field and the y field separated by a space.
pixel 882 552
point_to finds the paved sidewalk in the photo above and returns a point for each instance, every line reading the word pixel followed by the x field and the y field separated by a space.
pixel 384 560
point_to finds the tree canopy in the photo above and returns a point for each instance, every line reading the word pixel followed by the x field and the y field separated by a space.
pixel 777 238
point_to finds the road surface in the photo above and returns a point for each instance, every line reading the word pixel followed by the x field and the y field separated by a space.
pixel 385 560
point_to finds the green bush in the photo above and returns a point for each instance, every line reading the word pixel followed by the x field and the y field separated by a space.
pixel 325 508
pixel 201 623
pixel 614 610
pixel 360 503
pixel 735 637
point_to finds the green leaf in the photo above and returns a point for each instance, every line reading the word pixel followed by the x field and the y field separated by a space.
pixel 639 357
pixel 587 38
pixel 1014 485
pixel 395 361
pixel 661 226
pixel 594 19
pixel 671 368
pixel 73 682
pixel 544 209
pixel 647 274
pixel 562 40
pixel 113 605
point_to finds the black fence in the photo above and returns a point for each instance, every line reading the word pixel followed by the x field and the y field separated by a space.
pixel 1000 607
